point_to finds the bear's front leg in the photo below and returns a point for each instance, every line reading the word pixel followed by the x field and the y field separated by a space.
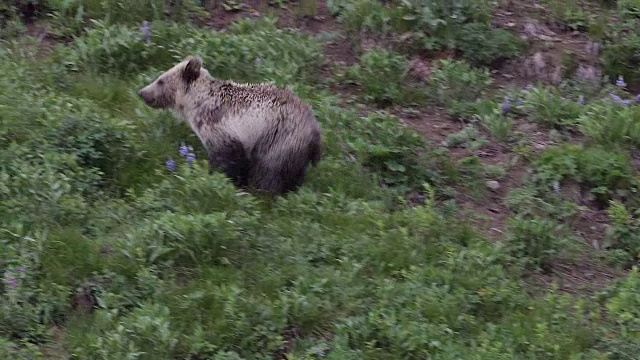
pixel 230 157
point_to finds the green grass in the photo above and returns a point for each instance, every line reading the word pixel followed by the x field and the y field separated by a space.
pixel 101 244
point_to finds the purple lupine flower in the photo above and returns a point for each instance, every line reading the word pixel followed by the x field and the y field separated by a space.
pixel 626 102
pixel 184 150
pixel 191 157
pixel 146 30
pixel 581 100
pixel 637 98
pixel 171 165
pixel 620 82
pixel 22 270
pixel 528 87
pixel 506 105
pixel 616 98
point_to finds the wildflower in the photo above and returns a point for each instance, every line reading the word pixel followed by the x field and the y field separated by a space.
pixel 146 30
pixel 616 98
pixel 506 105
pixel 22 270
pixel 626 102
pixel 637 98
pixel 581 100
pixel 191 157
pixel 620 82
pixel 12 282
pixel 556 186
pixel 171 165
pixel 184 150
pixel 528 87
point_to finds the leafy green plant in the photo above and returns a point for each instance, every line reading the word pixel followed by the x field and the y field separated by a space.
pixel 389 148
pixel 10 23
pixel 468 137
pixel 70 17
pixel 123 49
pixel 546 106
pixel 536 242
pixel 381 74
pixel 619 51
pixel 611 124
pixel 361 16
pixel 242 54
pixel 499 124
pixel 621 301
pixel 97 144
pixel 412 25
pixel 453 80
pixel 623 232
pixel 607 173
pixel 482 45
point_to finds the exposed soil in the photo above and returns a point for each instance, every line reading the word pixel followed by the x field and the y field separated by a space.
pixel 582 277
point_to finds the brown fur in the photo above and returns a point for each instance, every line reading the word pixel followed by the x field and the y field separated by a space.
pixel 261 136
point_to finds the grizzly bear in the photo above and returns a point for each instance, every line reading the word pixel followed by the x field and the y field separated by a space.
pixel 260 136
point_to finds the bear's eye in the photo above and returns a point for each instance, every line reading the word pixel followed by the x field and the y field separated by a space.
pixel 160 82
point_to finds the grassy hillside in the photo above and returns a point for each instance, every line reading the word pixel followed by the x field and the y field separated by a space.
pixel 478 198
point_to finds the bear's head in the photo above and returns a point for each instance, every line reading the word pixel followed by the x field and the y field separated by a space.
pixel 162 93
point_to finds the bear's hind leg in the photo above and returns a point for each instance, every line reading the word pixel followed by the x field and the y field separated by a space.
pixel 231 158
pixel 278 178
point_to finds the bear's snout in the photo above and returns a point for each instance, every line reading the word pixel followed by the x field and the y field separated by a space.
pixel 145 97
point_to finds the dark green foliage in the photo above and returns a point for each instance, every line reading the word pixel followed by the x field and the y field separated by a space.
pixel 537 242
pixel 482 45
pixel 381 74
pixel 547 106
pixel 623 233
pixel 454 81
pixel 251 51
pixel 620 53
pixel 389 149
pixel 606 173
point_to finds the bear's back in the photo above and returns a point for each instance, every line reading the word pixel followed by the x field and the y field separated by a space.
pixel 253 110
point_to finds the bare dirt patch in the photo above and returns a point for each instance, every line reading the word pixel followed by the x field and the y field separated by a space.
pixel 555 53
pixel 581 277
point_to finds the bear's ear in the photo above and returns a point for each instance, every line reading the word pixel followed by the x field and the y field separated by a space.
pixel 192 69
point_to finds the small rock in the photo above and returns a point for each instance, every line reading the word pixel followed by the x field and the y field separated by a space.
pixel 530 29
pixel 538 63
pixel 547 38
pixel 527 128
pixel 538 146
pixel 493 185
pixel 536 30
pixel 419 69
pixel 593 49
pixel 588 73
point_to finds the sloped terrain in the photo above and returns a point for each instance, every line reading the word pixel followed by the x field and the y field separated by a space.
pixel 477 199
